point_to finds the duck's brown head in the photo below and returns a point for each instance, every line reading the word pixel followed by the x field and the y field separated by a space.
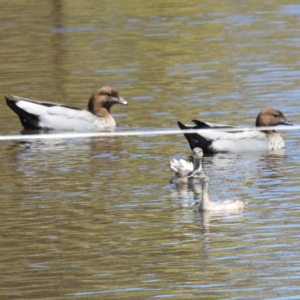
pixel 271 117
pixel 103 99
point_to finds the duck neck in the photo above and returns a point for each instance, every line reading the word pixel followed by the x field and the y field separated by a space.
pixel 99 107
pixel 100 112
pixel 205 192
pixel 259 124
pixel 197 163
pixel 268 131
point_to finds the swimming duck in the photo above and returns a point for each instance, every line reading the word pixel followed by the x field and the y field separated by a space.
pixel 216 206
pixel 47 115
pixel 213 141
pixel 184 170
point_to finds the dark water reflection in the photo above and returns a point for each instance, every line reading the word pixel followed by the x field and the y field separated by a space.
pixel 97 218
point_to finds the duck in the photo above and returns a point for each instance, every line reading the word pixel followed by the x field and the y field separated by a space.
pixel 206 205
pixel 214 141
pixel 184 171
pixel 52 116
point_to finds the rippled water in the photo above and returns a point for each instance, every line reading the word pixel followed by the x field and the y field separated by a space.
pixel 96 218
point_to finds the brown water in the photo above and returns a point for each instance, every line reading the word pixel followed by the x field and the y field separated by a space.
pixel 96 218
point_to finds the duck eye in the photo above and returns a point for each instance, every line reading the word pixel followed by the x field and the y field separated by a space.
pixel 276 115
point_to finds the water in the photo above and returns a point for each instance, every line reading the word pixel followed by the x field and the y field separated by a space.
pixel 96 218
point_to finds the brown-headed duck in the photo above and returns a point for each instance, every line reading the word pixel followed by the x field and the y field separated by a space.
pixel 214 141
pixel 47 115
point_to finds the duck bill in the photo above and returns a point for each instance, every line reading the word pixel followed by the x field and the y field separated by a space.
pixel 286 122
pixel 122 101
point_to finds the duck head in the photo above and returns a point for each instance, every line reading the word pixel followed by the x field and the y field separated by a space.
pixel 103 99
pixel 271 117
pixel 197 153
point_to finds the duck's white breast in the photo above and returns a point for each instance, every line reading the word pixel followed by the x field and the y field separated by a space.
pixel 107 123
pixel 275 141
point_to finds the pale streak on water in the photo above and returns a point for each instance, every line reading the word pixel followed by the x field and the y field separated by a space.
pixel 96 218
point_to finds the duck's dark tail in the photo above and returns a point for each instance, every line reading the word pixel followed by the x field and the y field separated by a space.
pixel 29 121
pixel 195 139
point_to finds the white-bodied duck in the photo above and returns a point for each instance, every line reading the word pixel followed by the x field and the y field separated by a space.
pixel 215 206
pixel 47 115
pixel 184 170
pixel 213 141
